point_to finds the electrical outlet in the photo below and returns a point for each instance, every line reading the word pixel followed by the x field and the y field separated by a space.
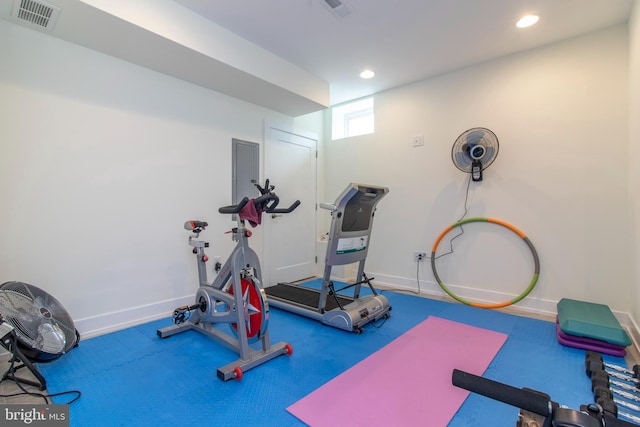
pixel 217 264
pixel 418 141
pixel 419 256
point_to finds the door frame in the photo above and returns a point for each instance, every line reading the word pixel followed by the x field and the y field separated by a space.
pixel 266 245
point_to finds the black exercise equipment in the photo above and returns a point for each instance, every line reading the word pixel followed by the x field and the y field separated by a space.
pixel 605 397
pixel 536 408
pixel 595 369
pixel 613 386
pixel 601 378
pixel 593 360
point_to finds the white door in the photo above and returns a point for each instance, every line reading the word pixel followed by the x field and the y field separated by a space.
pixel 290 165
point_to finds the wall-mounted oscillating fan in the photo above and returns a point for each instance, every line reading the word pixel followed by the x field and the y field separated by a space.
pixel 474 151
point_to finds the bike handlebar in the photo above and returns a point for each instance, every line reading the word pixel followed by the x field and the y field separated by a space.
pixel 290 209
pixel 266 203
pixel 234 209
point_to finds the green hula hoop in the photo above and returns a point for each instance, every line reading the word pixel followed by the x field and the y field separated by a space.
pixel 526 292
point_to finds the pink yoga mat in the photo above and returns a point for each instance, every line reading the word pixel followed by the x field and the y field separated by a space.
pixel 407 382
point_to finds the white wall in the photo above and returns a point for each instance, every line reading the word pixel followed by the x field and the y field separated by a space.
pixel 634 151
pixel 560 113
pixel 101 163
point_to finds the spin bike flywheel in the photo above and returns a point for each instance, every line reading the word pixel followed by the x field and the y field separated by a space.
pixel 256 310
pixel 253 304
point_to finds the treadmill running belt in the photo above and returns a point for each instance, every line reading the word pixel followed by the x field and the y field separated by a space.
pixel 304 296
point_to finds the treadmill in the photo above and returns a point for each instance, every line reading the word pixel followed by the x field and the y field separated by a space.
pixel 349 239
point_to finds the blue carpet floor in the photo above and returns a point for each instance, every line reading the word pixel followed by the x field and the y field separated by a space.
pixel 134 378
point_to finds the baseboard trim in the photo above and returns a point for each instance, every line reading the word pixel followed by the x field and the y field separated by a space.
pixel 530 305
pixel 94 326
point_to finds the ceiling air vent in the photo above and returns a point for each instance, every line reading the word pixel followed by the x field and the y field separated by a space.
pixel 35 13
pixel 339 8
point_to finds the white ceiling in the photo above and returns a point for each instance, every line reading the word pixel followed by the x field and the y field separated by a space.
pixel 402 40
pixel 295 56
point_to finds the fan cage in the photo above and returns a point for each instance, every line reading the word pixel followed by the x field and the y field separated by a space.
pixel 464 144
pixel 43 328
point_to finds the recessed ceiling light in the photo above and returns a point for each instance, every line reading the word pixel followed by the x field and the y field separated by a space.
pixel 367 74
pixel 527 21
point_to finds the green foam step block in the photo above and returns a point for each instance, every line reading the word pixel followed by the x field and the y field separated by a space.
pixel 590 320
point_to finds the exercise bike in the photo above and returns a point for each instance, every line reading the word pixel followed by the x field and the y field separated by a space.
pixel 235 296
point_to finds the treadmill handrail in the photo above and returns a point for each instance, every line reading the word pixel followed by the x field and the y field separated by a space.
pixel 329 206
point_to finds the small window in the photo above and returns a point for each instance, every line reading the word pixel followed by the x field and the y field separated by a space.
pixel 355 118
